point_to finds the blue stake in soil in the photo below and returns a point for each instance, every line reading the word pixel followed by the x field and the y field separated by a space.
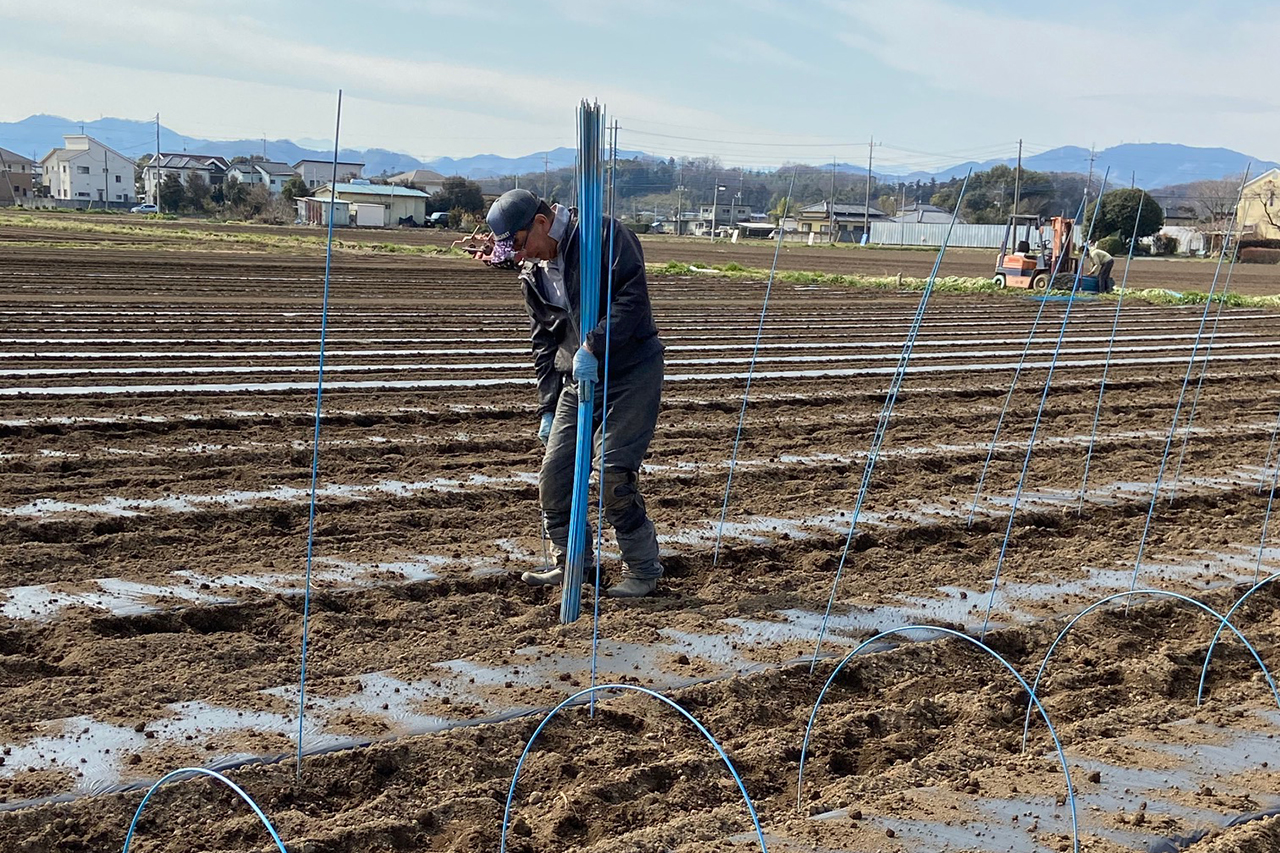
pixel 1106 364
pixel 590 228
pixel 886 411
pixel 576 698
pixel 755 351
pixel 604 419
pixel 1204 369
pixel 1017 372
pixel 1128 596
pixel 315 449
pixel 1266 463
pixel 1177 409
pixel 1035 426
pixel 1266 521
pixel 1226 623
pixel 1062 758
pixel 201 771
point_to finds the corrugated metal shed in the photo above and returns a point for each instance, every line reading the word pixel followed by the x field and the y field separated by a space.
pixel 924 234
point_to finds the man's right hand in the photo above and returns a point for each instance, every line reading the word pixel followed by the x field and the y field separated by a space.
pixel 544 429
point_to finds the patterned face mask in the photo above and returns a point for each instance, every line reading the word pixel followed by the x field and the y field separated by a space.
pixel 503 250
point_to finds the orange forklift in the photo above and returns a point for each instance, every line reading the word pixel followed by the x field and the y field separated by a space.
pixel 1038 243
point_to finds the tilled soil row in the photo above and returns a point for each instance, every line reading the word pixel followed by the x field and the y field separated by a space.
pixel 927 734
pixel 417 581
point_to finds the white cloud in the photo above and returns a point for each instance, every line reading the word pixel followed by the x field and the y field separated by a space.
pixel 246 50
pixel 1147 75
pixel 754 53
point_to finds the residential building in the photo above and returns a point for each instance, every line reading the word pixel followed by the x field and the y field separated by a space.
pixel 402 203
pixel 318 173
pixel 87 170
pixel 1259 211
pixel 213 169
pixel 726 215
pixel 925 214
pixel 268 173
pixel 420 179
pixel 850 220
pixel 17 177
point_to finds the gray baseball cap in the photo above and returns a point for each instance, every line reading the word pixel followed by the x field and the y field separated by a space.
pixel 513 211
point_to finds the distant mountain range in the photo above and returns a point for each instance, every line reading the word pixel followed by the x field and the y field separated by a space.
pixel 1149 164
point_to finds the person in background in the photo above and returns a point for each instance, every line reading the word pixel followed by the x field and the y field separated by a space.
pixel 544 239
pixel 1098 263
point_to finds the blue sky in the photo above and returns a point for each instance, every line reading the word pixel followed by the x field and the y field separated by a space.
pixel 754 82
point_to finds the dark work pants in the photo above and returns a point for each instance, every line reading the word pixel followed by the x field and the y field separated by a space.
pixel 1104 276
pixel 634 397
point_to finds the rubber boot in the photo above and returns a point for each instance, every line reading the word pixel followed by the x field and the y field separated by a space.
pixel 632 587
pixel 551 577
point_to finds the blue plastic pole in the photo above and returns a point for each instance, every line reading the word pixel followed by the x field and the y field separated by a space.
pixel 1062 758
pixel 1204 370
pixel 886 412
pixel 1222 623
pixel 590 226
pixel 1266 462
pixel 315 443
pixel 755 351
pixel 1226 623
pixel 1266 521
pixel 1106 365
pixel 742 789
pixel 1186 380
pixel 1035 427
pixel 604 422
pixel 201 771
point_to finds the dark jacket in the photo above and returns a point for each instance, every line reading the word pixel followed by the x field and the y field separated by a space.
pixel 632 335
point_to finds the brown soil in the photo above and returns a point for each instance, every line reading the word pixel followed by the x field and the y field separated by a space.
pixel 192 495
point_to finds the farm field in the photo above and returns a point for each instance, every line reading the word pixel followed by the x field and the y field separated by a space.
pixel 1178 274
pixel 156 423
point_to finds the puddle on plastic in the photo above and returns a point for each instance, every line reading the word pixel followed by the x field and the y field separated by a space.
pixel 118 506
pixel 396 703
pixel 128 598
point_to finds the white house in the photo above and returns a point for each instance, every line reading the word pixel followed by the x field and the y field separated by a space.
pixel 270 174
pixel 88 170
pixel 213 169
pixel 318 173
pixel 400 202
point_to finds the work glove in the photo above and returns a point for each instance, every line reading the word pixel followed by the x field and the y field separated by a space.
pixel 586 368
pixel 544 430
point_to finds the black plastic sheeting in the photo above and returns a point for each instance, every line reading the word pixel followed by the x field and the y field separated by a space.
pixel 1178 843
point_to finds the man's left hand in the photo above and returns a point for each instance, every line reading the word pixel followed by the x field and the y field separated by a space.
pixel 586 368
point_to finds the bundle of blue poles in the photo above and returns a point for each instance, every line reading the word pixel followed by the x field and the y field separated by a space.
pixel 590 178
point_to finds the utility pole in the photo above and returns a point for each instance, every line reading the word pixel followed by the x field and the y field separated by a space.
pixel 902 216
pixel 866 207
pixel 545 168
pixel 1017 181
pixel 715 201
pixel 1093 155
pixel 1133 179
pixel 831 224
pixel 157 165
pixel 680 203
